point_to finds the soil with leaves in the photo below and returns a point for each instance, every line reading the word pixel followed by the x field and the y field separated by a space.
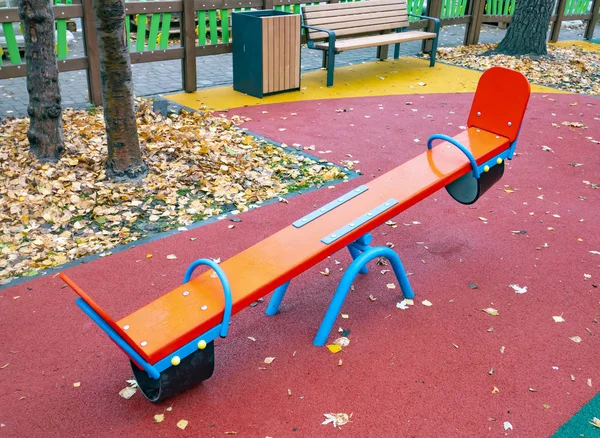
pixel 200 165
pixel 567 68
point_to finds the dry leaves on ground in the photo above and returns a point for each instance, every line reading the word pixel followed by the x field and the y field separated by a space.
pixel 199 165
pixel 568 68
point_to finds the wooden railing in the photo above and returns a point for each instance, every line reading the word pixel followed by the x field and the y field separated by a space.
pixel 204 29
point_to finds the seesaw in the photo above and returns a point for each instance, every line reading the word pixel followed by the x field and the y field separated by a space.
pixel 170 341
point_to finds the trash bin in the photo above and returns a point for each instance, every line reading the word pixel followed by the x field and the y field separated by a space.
pixel 266 52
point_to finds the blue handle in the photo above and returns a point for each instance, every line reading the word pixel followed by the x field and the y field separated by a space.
pixel 463 149
pixel 226 289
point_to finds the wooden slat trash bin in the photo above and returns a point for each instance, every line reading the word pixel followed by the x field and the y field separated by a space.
pixel 266 52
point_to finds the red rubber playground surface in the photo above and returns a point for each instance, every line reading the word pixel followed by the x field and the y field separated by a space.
pixel 445 370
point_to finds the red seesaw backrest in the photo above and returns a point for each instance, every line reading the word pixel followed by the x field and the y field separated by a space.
pixel 500 102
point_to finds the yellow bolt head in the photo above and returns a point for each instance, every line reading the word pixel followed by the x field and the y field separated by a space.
pixel 175 361
pixel 202 345
pixel 486 168
pixel 499 161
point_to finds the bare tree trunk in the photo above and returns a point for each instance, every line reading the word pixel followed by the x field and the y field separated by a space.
pixel 124 153
pixel 45 133
pixel 528 28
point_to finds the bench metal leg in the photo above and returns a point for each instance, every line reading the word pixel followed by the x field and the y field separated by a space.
pixel 324 64
pixel 330 65
pixel 382 52
pixel 433 52
pixel 276 299
pixel 342 290
pixel 396 50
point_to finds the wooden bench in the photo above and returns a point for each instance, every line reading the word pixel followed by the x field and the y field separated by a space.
pixel 334 28
pixel 170 341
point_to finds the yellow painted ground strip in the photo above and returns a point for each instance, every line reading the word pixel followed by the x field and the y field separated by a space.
pixel 380 78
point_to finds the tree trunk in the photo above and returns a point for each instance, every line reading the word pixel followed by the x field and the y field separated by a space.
pixel 124 153
pixel 528 28
pixel 45 132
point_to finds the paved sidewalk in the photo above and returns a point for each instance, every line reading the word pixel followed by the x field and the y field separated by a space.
pixel 156 78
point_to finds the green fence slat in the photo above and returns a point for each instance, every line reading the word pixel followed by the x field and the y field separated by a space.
pixel 128 31
pixel 164 31
pixel 225 25
pixel 11 43
pixel 61 36
pixel 153 35
pixel 212 22
pixel 142 20
pixel 202 28
pixel 297 8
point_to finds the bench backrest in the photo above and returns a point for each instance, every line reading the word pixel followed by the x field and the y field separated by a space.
pixel 358 18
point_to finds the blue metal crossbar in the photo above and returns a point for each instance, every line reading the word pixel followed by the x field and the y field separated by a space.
pixel 117 339
pixel 330 206
pixel 359 221
pixel 226 289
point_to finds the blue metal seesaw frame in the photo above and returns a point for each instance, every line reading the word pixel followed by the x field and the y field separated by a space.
pixel 360 250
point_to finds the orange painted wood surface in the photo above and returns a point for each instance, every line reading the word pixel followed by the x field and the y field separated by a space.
pixel 176 319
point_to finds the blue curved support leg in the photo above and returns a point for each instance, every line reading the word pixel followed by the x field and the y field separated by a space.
pixel 342 290
pixel 356 249
pixel 355 253
pixel 276 299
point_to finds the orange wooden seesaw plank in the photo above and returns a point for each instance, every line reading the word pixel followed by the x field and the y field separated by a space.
pixel 176 319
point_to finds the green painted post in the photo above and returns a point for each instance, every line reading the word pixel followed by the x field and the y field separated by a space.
pixel 11 43
pixel 225 25
pixel 128 31
pixel 142 20
pixel 61 36
pixel 212 22
pixel 164 31
pixel 153 36
pixel 202 28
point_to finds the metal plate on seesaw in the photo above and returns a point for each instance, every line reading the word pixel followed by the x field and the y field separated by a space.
pixel 359 221
pixel 328 207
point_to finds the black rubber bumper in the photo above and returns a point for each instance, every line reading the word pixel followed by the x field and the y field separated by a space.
pixel 192 370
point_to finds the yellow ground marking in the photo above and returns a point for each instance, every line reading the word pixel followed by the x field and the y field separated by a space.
pixel 585 45
pixel 379 78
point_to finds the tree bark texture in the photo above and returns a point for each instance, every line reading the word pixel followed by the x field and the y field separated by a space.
pixel 45 132
pixel 528 28
pixel 124 153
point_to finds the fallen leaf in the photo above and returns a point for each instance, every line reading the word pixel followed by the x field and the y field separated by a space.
pixel 558 318
pixel 482 218
pixel 337 419
pixel 325 271
pixel 491 311
pixel 402 305
pixel 344 315
pixel 182 424
pixel 342 342
pixel 547 149
pixel 589 382
pixel 518 289
pixel 127 392
pixel 426 303
pixel 334 348
pixel 159 418
pixel 76 384
pixel 507 425
pixel 269 360
pixel 546 406
pixel 575 339
pixel 595 422
pixel 171 257
pixel 391 286
pixel 252 338
pixel 495 390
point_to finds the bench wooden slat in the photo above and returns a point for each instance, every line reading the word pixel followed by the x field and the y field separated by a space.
pixel 362 26
pixel 323 21
pixel 310 17
pixel 357 5
pixel 370 41
pixel 175 319
pixel 363 30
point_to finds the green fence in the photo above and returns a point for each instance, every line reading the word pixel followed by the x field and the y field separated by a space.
pixel 507 7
